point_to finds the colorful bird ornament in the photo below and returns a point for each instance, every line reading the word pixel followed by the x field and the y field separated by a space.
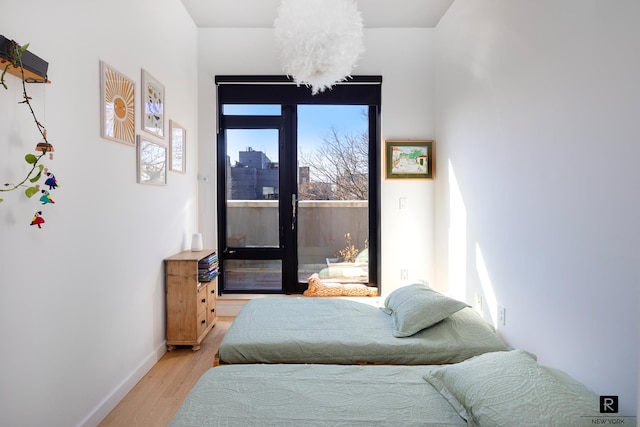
pixel 37 219
pixel 46 197
pixel 51 181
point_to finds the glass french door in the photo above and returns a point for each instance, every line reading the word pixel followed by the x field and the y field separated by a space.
pixel 255 179
pixel 294 192
pixel 253 211
pixel 333 192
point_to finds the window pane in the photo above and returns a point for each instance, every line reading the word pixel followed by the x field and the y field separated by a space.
pixel 333 187
pixel 252 185
pixel 251 110
pixel 253 275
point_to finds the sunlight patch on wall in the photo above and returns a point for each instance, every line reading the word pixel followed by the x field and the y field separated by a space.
pixel 457 239
pixel 487 287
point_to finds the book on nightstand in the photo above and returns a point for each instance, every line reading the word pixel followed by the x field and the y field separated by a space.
pixel 208 268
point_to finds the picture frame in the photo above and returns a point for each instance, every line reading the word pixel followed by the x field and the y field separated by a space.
pixel 409 159
pixel 177 147
pixel 117 106
pixel 152 105
pixel 151 161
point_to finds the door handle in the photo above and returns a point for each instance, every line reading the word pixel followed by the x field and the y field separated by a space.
pixel 293 211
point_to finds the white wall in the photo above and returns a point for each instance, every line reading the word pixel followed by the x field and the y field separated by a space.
pixel 536 114
pixel 537 192
pixel 404 58
pixel 82 299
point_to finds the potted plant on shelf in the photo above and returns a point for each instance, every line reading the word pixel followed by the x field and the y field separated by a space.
pixel 13 55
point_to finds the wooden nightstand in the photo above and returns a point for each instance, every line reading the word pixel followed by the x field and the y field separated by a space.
pixel 191 297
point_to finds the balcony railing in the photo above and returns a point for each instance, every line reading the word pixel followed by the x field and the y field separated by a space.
pixel 321 226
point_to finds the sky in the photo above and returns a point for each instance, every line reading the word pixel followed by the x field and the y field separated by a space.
pixel 314 121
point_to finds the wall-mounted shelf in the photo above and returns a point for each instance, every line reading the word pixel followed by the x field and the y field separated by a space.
pixel 35 68
pixel 29 76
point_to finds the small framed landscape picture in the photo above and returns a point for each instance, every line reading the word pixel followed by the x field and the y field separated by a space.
pixel 152 162
pixel 152 105
pixel 117 106
pixel 409 159
pixel 177 147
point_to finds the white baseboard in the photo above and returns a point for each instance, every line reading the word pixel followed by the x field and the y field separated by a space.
pixel 230 304
pixel 111 401
pixel 229 307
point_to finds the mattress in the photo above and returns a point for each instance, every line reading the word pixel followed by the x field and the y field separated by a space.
pixel 342 331
pixel 315 395
pixel 501 388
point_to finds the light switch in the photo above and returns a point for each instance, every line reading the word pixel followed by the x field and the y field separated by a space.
pixel 403 203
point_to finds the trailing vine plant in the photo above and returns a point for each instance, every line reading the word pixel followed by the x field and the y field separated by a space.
pixel 37 169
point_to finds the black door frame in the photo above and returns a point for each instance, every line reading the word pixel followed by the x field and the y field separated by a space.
pixel 359 90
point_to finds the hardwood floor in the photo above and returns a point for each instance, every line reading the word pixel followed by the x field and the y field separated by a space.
pixel 159 394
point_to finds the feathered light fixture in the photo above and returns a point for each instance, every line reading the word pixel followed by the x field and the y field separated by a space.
pixel 319 41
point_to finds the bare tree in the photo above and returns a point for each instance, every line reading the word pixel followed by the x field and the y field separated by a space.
pixel 340 166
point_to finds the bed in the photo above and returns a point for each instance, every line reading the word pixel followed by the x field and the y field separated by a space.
pixel 415 325
pixel 505 388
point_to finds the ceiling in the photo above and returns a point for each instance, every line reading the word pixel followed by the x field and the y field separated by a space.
pixel 262 13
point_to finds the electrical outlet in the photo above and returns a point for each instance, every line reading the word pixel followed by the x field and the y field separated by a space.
pixel 502 316
pixel 404 274
pixel 479 303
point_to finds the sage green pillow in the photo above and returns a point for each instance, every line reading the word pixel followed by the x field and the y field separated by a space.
pixel 416 307
pixel 510 388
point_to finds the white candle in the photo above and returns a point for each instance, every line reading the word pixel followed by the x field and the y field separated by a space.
pixel 196 242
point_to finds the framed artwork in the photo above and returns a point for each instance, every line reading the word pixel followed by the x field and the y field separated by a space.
pixel 177 147
pixel 117 106
pixel 152 162
pixel 409 159
pixel 152 105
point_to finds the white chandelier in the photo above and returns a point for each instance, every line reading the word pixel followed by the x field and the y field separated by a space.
pixel 319 41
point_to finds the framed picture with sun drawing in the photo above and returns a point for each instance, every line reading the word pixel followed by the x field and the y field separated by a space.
pixel 117 106
pixel 409 158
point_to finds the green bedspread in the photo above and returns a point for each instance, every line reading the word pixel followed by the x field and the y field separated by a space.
pixel 501 388
pixel 341 331
pixel 315 395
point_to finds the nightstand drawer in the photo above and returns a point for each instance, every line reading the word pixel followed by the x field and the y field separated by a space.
pixel 211 302
pixel 202 298
pixel 202 322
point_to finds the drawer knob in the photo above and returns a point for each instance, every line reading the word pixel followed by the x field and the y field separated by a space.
pixel 203 321
pixel 204 300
